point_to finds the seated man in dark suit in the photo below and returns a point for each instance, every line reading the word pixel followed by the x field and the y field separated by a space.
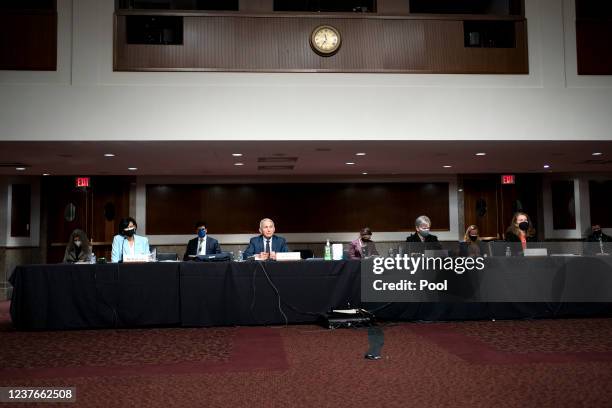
pixel 202 244
pixel 597 235
pixel 266 245
pixel 422 238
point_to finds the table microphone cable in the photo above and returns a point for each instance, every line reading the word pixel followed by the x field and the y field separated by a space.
pixel 280 308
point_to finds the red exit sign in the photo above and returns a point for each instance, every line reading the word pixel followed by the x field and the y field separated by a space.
pixel 82 181
pixel 508 179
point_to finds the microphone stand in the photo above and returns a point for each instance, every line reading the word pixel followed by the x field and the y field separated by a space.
pixel 601 248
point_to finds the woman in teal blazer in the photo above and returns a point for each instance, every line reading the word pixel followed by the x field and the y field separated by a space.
pixel 127 243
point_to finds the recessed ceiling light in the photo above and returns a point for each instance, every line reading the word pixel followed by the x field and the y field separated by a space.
pixel 238 164
pixel 20 168
pixel 360 154
pixel 446 166
pixel 547 166
pixel 237 154
pixel 481 154
pixel 597 154
pixel 364 173
pixel 109 155
pixel 132 168
pixel 350 163
pixel 46 174
pixel 460 190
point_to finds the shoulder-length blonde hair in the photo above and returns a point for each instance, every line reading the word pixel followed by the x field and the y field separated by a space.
pixel 466 236
pixel 513 228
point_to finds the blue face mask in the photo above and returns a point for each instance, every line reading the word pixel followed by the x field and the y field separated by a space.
pixel 201 233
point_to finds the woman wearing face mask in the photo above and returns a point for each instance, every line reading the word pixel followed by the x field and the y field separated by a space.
pixel 78 248
pixel 362 246
pixel 471 246
pixel 127 244
pixel 423 235
pixel 521 230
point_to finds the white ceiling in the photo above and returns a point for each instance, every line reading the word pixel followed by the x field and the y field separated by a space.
pixel 314 158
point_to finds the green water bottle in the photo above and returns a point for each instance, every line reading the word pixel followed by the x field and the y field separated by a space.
pixel 327 256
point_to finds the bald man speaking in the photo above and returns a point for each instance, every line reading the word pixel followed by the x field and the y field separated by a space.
pixel 266 245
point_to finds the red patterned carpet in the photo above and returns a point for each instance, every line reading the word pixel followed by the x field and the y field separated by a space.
pixel 541 363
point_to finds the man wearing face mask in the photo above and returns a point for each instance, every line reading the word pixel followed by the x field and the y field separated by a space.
pixel 78 249
pixel 127 243
pixel 203 244
pixel 521 230
pixel 423 236
pixel 597 235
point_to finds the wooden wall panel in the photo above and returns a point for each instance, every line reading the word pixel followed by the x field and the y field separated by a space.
pixel 21 196
pixel 233 209
pixel 28 41
pixel 280 43
pixel 502 201
pixel 600 193
pixel 594 47
pixel 594 37
pixel 480 203
pixel 563 204
pixel 90 211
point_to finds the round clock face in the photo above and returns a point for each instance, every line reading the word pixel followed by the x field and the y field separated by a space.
pixel 325 40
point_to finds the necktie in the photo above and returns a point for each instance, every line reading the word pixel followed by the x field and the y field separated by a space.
pixel 200 246
pixel 267 245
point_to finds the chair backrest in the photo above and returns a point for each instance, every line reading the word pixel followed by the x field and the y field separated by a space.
pixel 305 253
pixel 167 256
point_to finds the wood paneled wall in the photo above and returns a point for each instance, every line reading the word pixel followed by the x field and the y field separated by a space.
pixel 233 209
pixel 600 193
pixel 594 37
pixel 21 195
pixel 273 42
pixel 91 206
pixel 500 201
pixel 563 204
pixel 28 40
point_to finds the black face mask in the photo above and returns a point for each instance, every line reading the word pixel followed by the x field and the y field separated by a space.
pixel 524 226
pixel 129 233
pixel 597 233
pixel 473 238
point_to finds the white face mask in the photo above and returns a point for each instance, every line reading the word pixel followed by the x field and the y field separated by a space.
pixel 77 244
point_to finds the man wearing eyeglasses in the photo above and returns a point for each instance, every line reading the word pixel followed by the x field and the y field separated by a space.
pixel 203 244
pixel 266 245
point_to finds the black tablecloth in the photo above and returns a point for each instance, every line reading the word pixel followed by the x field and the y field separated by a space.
pixel 93 296
pixel 211 294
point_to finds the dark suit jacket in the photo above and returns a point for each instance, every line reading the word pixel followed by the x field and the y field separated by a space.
pixel 430 243
pixel 212 247
pixel 256 246
pixel 512 237
pixel 604 238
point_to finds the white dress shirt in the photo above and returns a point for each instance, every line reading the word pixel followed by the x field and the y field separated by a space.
pixel 201 250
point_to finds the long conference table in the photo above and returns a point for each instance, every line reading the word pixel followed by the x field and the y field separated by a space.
pixel 195 294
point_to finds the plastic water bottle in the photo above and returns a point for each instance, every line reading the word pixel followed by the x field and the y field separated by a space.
pixel 239 258
pixel 327 256
pixel 508 252
pixel 92 258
